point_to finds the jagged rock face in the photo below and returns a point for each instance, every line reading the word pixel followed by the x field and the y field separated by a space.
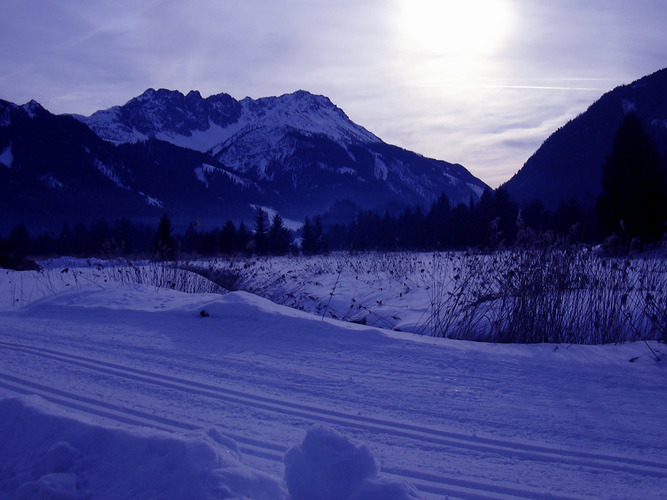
pixel 214 158
pixel 211 123
pixel 163 114
pixel 569 163
pixel 300 146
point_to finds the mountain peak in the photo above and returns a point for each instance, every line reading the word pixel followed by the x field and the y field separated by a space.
pixel 161 92
pixel 309 96
pixel 300 100
pixel 10 111
pixel 32 108
pixel 311 101
pixel 204 124
pixel 209 158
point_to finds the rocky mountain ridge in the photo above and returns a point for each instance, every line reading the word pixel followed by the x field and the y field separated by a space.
pixel 208 159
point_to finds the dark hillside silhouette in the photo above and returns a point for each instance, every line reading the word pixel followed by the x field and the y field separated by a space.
pixel 569 163
pixel 633 203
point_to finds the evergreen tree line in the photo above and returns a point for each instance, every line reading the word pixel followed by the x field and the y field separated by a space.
pixel 100 238
pixel 124 238
pixel 494 221
pixel 265 238
pixel 632 208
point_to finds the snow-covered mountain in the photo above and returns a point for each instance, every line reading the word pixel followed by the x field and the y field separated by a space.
pixel 193 122
pixel 207 160
pixel 54 169
pixel 298 145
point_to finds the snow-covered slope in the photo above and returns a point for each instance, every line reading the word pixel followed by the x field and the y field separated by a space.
pixel 55 170
pixel 206 160
pixel 208 393
pixel 299 145
pixel 203 124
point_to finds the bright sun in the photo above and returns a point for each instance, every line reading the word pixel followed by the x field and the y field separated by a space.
pixel 461 27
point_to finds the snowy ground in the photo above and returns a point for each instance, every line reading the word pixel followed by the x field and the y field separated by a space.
pixel 116 389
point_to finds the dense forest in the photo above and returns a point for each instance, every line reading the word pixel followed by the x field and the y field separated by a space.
pixel 630 212
pixel 494 222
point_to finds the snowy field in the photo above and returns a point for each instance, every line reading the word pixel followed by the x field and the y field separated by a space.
pixel 115 384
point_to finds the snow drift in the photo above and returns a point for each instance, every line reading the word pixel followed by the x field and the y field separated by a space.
pixel 48 453
pixel 328 466
pixel 131 378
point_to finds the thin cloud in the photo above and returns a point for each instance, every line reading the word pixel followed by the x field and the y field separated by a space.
pixel 487 110
pixel 539 87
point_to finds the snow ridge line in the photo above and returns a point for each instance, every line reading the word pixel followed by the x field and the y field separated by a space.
pixel 440 485
pixel 368 424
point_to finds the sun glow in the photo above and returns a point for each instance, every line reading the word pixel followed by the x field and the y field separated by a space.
pixel 454 27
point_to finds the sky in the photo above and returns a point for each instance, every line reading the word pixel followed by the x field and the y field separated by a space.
pixel 477 82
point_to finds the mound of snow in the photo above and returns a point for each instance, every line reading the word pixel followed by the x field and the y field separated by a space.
pixel 46 453
pixel 125 297
pixel 328 466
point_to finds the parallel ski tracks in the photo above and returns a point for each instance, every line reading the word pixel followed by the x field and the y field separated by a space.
pixel 428 483
pixel 438 485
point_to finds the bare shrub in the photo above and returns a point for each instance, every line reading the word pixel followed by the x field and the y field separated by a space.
pixel 535 294
pixel 551 295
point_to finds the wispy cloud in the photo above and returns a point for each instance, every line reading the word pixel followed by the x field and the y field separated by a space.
pixel 487 108
pixel 540 87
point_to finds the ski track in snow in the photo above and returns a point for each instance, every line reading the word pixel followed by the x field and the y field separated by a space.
pixel 420 433
pixel 427 483
pixel 568 423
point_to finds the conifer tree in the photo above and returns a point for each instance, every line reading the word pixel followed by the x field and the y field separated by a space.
pixel 19 240
pixel 192 240
pixel 80 239
pixel 261 234
pixel 243 238
pixel 279 236
pixel 164 243
pixel 123 232
pixel 65 240
pixel 633 203
pixel 309 244
pixel 438 220
pixel 228 237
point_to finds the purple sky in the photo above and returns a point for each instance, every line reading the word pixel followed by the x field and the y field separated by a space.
pixel 478 82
